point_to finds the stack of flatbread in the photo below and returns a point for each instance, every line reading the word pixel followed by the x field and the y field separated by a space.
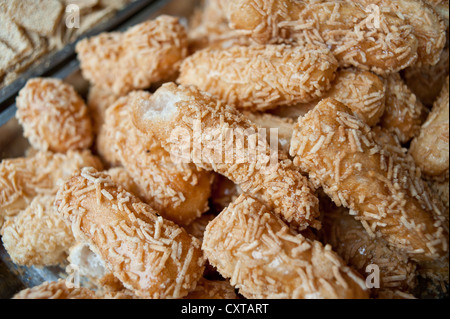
pixel 31 28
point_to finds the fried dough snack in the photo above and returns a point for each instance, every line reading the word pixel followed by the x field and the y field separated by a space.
pixel 404 113
pixel 441 7
pixel 362 91
pixel 427 26
pixel 260 77
pixel 37 235
pixel 212 289
pixel 22 179
pixel 147 53
pixel 176 111
pixel 55 290
pixel 283 126
pixel 382 190
pixel 179 192
pixel 431 148
pixel 351 241
pixel 98 102
pixel 360 36
pixel 54 117
pixel 265 259
pixel 427 81
pixel 122 177
pixel 151 256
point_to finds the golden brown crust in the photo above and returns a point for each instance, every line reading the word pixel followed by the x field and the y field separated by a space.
pixel 54 117
pixel 179 192
pixel 264 259
pixel 260 77
pixel 351 241
pixel 427 26
pixel 175 112
pixel 360 36
pixel 381 189
pixel 37 235
pixel 431 148
pixel 404 112
pixel 151 256
pixel 22 179
pixel 55 290
pixel 146 53
pixel 362 91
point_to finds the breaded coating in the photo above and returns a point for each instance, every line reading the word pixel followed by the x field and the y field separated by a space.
pixel 427 81
pixel 362 91
pixel 146 53
pixel 358 249
pixel 431 148
pixel 23 178
pixel 260 77
pixel 277 128
pixel 427 26
pixel 362 36
pixel 178 191
pixel 404 112
pixel 265 259
pixel 212 289
pixel 441 7
pixel 37 235
pixel 441 189
pixel 383 190
pixel 151 256
pixel 55 290
pixel 98 102
pixel 196 127
pixel 122 177
pixel 54 117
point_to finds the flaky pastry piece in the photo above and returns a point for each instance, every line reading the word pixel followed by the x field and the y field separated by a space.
pixel 23 178
pixel 265 259
pixel 55 290
pixel 362 91
pixel 178 191
pixel 260 77
pixel 151 256
pixel 431 148
pixel 428 27
pixel 404 113
pixel 427 81
pixel 382 190
pixel 37 235
pixel 145 54
pixel 358 249
pixel 212 289
pixel 198 128
pixel 53 116
pixel 358 35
